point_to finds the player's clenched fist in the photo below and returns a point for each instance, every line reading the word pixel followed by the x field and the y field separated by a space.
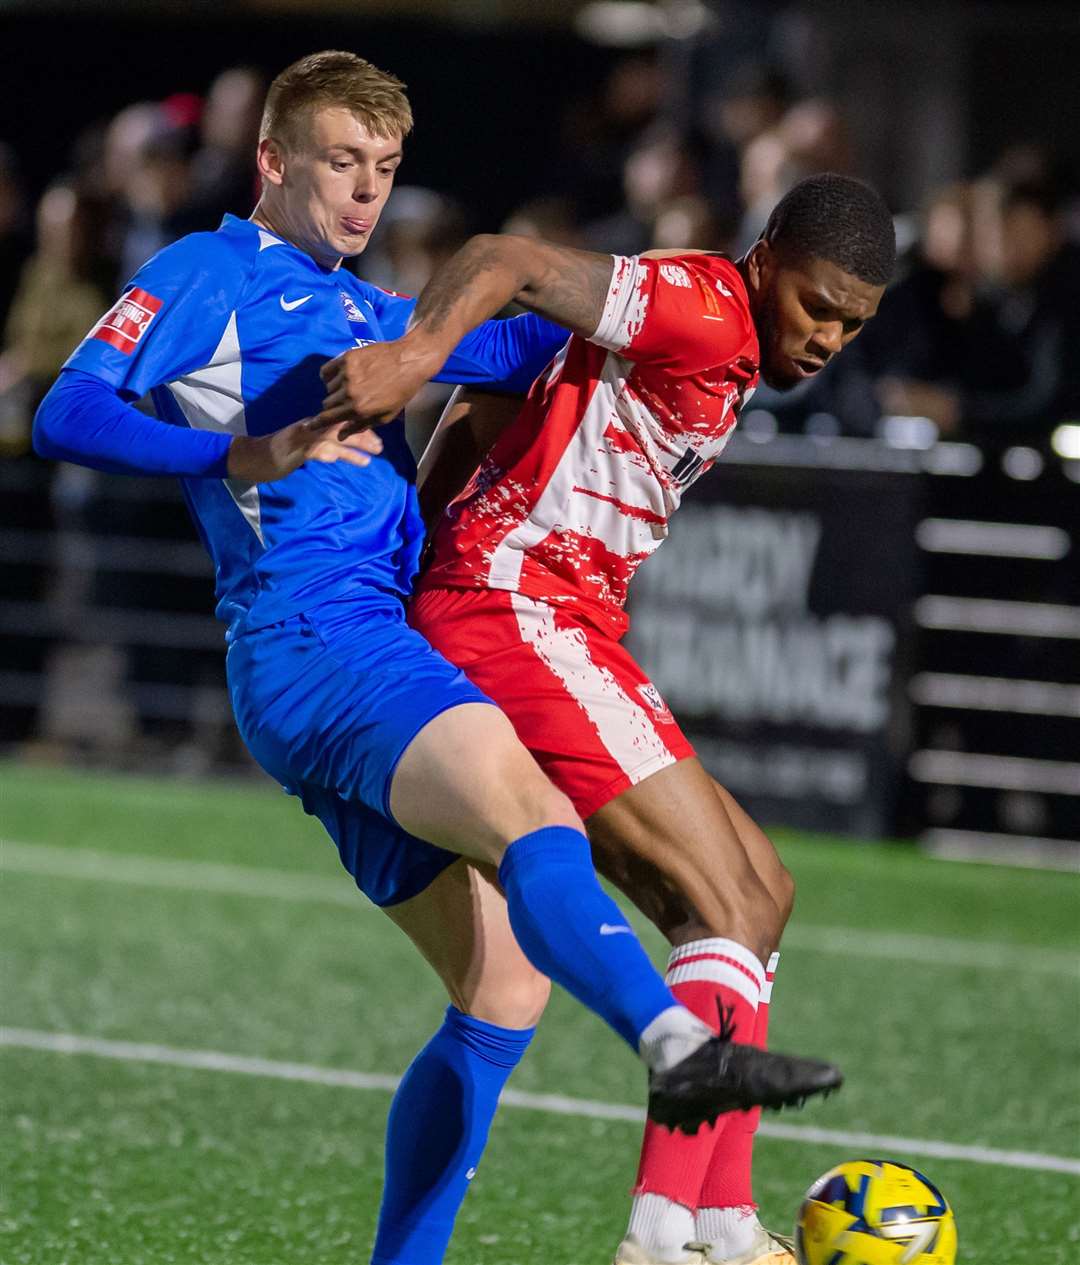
pixel 266 458
pixel 371 385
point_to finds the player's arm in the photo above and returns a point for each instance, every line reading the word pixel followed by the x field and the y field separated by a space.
pixel 504 355
pixel 468 427
pixel 568 287
pixel 166 324
pixel 86 421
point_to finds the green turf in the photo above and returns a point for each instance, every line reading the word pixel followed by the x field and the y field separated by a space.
pixel 125 1162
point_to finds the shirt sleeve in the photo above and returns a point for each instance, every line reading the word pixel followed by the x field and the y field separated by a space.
pixel 84 420
pixel 505 354
pixel 508 355
pixel 393 311
pixel 169 319
pixel 685 314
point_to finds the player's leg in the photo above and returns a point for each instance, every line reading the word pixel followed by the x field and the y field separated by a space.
pixel 600 728
pixel 726 1219
pixel 352 704
pixel 442 1111
pixel 466 784
pixel 669 842
pixel 671 845
pixel 762 854
pixel 573 706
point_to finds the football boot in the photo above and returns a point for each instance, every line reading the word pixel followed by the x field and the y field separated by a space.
pixel 631 1252
pixel 766 1249
pixel 722 1075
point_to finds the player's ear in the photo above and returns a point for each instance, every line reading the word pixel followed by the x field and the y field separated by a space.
pixel 760 262
pixel 270 159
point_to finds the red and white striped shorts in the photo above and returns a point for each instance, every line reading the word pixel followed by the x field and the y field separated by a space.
pixel 592 719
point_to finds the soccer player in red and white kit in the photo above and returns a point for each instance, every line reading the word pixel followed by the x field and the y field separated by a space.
pixel 528 577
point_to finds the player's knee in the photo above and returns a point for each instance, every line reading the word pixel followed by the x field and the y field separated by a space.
pixel 782 890
pixel 527 801
pixel 515 1000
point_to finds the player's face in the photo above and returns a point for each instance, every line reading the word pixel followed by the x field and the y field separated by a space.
pixel 805 313
pixel 331 191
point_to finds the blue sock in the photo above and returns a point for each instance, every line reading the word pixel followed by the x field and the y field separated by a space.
pixel 570 929
pixel 438 1125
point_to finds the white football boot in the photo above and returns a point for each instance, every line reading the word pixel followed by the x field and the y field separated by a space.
pixel 631 1252
pixel 766 1249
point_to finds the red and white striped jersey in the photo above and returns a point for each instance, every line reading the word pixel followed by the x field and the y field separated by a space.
pixel 579 488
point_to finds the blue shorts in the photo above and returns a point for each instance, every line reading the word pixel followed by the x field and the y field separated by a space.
pixel 327 702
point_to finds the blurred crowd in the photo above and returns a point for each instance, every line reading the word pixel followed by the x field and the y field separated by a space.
pixel 980 332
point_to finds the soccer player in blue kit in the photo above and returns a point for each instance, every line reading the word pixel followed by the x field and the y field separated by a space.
pixel 407 764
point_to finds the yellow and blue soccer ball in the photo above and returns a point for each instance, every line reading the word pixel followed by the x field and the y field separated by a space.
pixel 874 1212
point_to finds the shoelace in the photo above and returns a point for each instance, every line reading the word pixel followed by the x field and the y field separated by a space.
pixel 727 1021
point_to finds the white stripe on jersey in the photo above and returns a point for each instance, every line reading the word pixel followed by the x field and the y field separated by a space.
pixel 550 513
pixel 623 725
pixel 564 507
pixel 212 399
pixel 625 305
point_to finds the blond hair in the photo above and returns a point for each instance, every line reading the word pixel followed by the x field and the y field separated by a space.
pixel 334 78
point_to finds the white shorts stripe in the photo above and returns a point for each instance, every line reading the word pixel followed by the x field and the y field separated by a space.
pixel 766 993
pixel 623 725
pixel 713 971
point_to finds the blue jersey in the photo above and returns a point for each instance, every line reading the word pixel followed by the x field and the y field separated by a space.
pixel 227 332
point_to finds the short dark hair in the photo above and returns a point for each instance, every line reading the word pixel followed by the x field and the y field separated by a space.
pixel 839 219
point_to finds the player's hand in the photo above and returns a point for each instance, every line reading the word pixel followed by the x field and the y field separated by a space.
pixel 369 386
pixel 264 458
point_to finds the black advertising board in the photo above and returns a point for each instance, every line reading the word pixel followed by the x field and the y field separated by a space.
pixel 775 621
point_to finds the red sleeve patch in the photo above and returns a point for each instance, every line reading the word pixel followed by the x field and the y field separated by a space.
pixel 127 320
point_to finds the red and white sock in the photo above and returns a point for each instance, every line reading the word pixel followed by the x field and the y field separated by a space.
pixel 704 975
pixel 725 1216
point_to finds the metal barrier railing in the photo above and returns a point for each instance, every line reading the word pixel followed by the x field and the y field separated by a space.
pixel 968 554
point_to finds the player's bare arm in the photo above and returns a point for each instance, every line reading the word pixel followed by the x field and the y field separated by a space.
pixel 470 424
pixel 372 384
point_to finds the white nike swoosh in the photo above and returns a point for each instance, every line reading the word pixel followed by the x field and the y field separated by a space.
pixel 288 307
pixel 606 929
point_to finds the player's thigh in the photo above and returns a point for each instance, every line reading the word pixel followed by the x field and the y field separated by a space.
pixel 761 851
pixel 466 783
pixel 670 845
pixel 460 925
pixel 576 698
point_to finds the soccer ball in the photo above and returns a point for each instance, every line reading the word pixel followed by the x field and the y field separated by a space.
pixel 874 1212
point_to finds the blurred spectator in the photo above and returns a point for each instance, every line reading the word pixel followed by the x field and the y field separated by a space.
pixel 419 229
pixel 549 218
pixel 752 102
pixel 662 166
pixel 223 175
pixel 1019 369
pixel 689 222
pixel 600 131
pixel 125 138
pixel 811 136
pixel 58 298
pixel 14 234
pixel 105 165
pixel 919 336
pixel 157 191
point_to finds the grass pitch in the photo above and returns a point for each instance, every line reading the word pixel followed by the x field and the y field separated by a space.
pixel 215 918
